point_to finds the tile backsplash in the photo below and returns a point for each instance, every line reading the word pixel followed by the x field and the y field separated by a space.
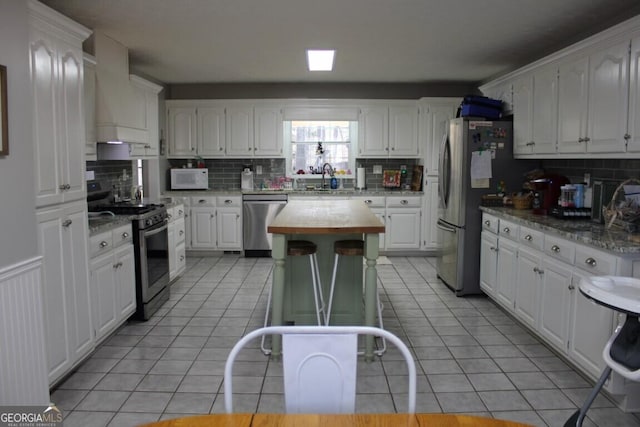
pixel 224 174
pixel 606 169
pixel 111 173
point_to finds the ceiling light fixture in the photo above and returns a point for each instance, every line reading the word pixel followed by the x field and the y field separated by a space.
pixel 320 60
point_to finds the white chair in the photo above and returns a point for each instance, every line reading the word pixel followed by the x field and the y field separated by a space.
pixel 319 364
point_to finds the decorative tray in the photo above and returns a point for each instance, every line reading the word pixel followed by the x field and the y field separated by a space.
pixel 391 178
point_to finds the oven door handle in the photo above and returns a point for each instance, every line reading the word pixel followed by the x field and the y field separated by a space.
pixel 155 231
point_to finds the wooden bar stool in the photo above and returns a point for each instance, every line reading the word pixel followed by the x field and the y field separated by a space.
pixel 310 249
pixel 351 248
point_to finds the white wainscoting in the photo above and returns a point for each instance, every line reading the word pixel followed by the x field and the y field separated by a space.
pixel 23 362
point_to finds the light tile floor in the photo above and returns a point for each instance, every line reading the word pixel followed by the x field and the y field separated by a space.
pixel 471 357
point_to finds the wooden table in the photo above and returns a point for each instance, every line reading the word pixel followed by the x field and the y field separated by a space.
pixel 317 219
pixel 346 420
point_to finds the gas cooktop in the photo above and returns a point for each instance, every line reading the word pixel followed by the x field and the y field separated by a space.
pixel 125 208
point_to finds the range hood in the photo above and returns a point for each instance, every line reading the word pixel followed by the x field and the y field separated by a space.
pixel 113 151
pixel 120 113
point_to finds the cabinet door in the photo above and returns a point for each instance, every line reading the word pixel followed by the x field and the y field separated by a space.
pixel 268 132
pixel 403 131
pixel 435 119
pixel 488 262
pixel 591 327
pixel 126 281
pixel 544 116
pixel 633 130
pixel 555 302
pixel 522 116
pixel 430 214
pixel 527 285
pixel 211 131
pixel 203 228
pixel 573 81
pixel 507 272
pixel 89 82
pixel 152 148
pixel 182 131
pixel 373 131
pixel 608 97
pixel 71 120
pixel 48 156
pixel 403 229
pixel 229 232
pixel 103 286
pixel 503 92
pixel 239 137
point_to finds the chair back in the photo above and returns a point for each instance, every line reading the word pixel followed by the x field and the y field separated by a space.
pixel 319 366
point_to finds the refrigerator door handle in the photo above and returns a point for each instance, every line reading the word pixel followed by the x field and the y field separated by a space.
pixel 443 226
pixel 443 178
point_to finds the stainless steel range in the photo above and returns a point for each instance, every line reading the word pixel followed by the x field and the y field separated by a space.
pixel 150 240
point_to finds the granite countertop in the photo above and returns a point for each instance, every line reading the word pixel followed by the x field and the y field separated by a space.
pixel 582 231
pixel 104 223
pixel 348 192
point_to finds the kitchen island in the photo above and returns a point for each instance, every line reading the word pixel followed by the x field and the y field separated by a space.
pixel 323 222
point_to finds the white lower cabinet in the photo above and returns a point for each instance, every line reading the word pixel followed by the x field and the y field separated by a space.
pixel 62 242
pixel 216 223
pixel 176 235
pixel 546 295
pixel 555 301
pixel 377 205
pixel 113 280
pixel 403 222
pixel 430 214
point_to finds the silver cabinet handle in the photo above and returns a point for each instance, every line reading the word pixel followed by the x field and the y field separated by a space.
pixel 202 201
pixel 555 248
pixel 228 202
pixel 181 232
pixel 571 287
pixel 67 223
pixel 368 202
pixel 169 216
pixel 404 202
pixel 580 139
pixel 181 257
pixel 529 144
pixel 538 270
pixel 627 136
pixel 590 262
pixel 528 237
pixel 487 223
pixel 125 235
pixel 506 230
pixel 180 212
pixel 493 248
pixel 103 244
pixel 587 139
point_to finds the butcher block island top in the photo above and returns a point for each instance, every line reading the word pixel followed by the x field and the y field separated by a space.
pixel 325 217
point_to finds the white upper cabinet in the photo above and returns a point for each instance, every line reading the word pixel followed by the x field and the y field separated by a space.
pixel 633 130
pixel 435 115
pixel 182 131
pixel 57 70
pixel 90 107
pixel 267 131
pixel 596 114
pixel 573 105
pixel 146 112
pixel 239 138
pixel 608 97
pixel 211 131
pixel 388 130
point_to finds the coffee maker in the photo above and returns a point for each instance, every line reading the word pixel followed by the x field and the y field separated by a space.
pixel 246 178
pixel 547 192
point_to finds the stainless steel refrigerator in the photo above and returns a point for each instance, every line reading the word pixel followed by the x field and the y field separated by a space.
pixel 459 216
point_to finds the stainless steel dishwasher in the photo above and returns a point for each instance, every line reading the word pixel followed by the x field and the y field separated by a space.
pixel 258 210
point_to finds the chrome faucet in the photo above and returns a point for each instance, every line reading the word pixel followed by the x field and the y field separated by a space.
pixel 324 168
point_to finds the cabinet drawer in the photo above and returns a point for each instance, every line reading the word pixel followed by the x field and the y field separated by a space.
pixel 404 202
pixel 372 201
pixel 508 229
pixel 100 243
pixel 531 238
pixel 595 261
pixel 122 235
pixel 203 201
pixel 179 230
pixel 490 223
pixel 560 248
pixel 229 201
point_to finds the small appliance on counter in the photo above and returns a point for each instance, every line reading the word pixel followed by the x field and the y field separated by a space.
pixel 246 178
pixel 547 191
pixel 190 179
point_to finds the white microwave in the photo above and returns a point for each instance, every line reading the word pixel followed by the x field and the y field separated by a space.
pixel 190 179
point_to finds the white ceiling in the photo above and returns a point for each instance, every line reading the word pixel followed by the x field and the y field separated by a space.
pixel 392 41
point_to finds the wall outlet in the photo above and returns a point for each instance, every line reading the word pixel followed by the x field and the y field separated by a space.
pixel 377 169
pixel 259 170
pixel 587 179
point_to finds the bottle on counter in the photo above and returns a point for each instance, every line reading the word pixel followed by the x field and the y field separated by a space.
pixel 334 183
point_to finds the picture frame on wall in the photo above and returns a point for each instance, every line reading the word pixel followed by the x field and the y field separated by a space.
pixel 4 116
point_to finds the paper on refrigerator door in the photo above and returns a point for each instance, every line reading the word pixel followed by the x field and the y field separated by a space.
pixel 481 165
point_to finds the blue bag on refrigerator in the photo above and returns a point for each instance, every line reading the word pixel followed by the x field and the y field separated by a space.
pixel 480 106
